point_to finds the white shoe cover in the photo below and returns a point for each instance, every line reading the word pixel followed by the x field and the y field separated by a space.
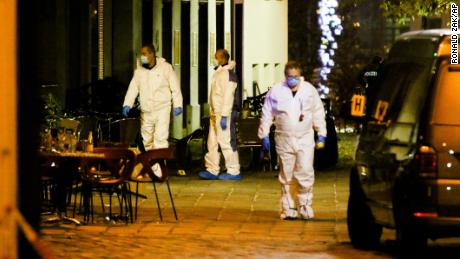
pixel 157 170
pixel 306 212
pixel 290 214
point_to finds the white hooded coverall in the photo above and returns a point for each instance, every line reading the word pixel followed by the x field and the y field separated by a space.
pixel 295 117
pixel 155 87
pixel 223 86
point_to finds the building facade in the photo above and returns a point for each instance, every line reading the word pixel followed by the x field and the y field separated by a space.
pixel 87 41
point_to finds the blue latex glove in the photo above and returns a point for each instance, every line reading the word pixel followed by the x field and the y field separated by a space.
pixel 126 110
pixel 266 144
pixel 320 142
pixel 223 123
pixel 177 111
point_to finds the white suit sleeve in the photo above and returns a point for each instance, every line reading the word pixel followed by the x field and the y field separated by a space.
pixel 133 91
pixel 229 94
pixel 266 120
pixel 175 88
pixel 319 121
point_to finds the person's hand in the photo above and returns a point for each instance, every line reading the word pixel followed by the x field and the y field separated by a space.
pixel 266 144
pixel 177 111
pixel 320 142
pixel 223 123
pixel 126 110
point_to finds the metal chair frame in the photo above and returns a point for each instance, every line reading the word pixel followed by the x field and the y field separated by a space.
pixel 109 172
pixel 148 159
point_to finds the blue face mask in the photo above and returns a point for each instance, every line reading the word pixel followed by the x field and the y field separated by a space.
pixel 292 81
pixel 144 60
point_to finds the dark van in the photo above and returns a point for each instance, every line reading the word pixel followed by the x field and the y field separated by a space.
pixel 407 170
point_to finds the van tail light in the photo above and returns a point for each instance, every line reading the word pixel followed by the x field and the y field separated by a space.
pixel 426 162
pixel 425 214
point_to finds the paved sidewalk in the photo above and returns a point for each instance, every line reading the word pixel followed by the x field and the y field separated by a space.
pixel 218 219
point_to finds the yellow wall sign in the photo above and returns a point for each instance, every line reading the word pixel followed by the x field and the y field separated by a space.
pixel 381 111
pixel 358 103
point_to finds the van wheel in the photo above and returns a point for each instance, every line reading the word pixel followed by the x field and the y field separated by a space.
pixel 410 238
pixel 363 231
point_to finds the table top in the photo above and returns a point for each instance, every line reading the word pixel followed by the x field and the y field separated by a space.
pixel 76 154
pixel 80 154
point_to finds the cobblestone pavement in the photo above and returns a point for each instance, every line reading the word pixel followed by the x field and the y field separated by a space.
pixel 227 219
pixel 218 219
pixel 223 219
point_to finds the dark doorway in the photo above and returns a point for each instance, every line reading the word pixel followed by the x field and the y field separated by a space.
pixel 28 108
pixel 238 41
pixel 203 54
pixel 166 52
pixel 147 21
pixel 220 26
pixel 185 56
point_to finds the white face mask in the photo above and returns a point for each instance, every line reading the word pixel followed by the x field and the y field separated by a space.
pixel 144 60
pixel 215 63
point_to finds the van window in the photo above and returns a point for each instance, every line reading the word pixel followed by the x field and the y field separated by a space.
pixel 403 86
pixel 447 95
pixel 398 82
pixel 418 48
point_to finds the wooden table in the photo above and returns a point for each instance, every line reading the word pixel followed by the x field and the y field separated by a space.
pixel 68 164
pixel 76 154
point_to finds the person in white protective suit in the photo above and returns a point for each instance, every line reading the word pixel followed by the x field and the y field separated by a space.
pixel 295 108
pixel 222 98
pixel 156 84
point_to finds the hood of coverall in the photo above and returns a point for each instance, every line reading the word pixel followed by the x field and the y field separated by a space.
pixel 230 66
pixel 220 90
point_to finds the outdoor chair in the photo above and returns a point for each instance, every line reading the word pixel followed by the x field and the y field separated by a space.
pixel 122 133
pixel 109 174
pixel 249 143
pixel 146 174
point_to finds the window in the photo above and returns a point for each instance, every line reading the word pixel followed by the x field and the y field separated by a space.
pixel 403 86
pixel 447 95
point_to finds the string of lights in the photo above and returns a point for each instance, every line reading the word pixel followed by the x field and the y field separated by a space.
pixel 331 27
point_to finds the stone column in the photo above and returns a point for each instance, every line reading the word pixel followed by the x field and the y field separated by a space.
pixel 228 26
pixel 137 30
pixel 211 40
pixel 100 39
pixel 107 36
pixel 158 26
pixel 61 51
pixel 177 129
pixel 193 110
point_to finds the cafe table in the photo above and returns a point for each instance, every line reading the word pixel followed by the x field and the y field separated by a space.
pixel 65 166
